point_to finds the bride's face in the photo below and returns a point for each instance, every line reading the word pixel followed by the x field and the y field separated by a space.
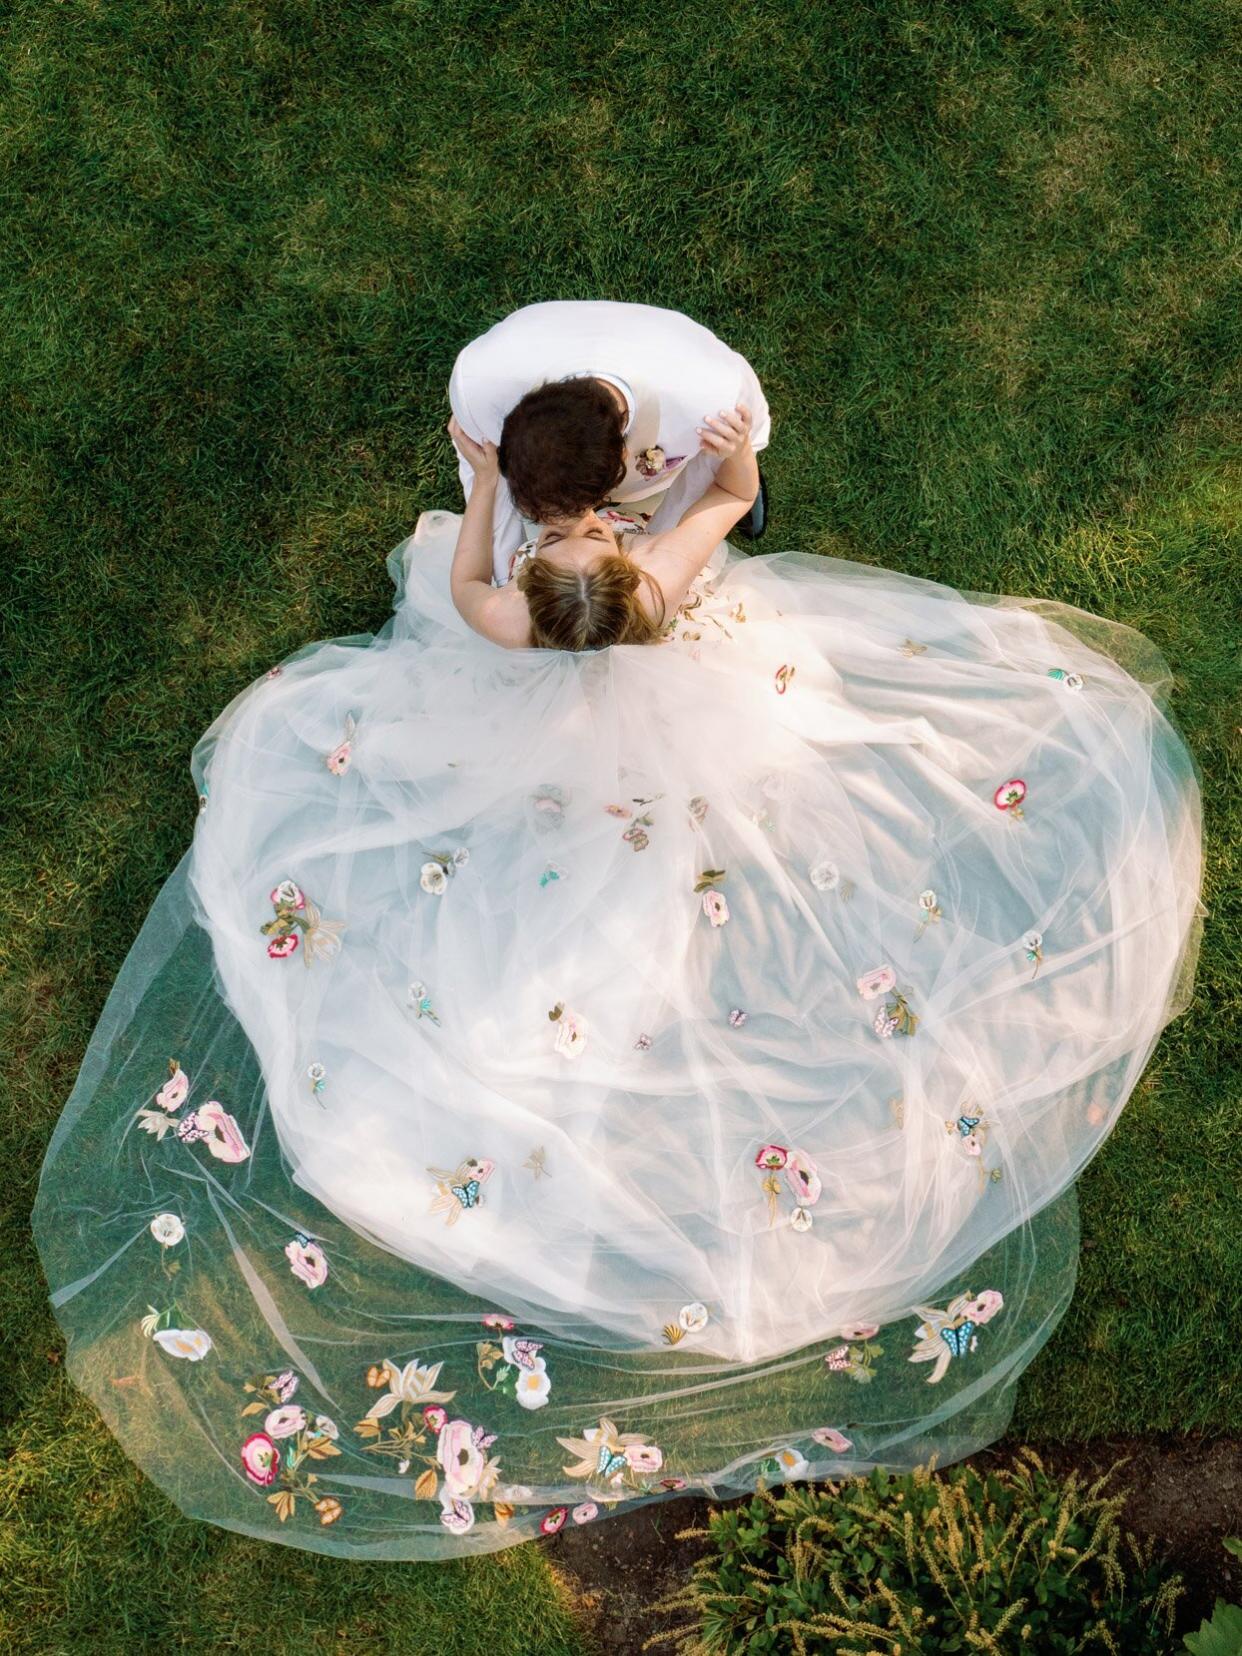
pixel 577 541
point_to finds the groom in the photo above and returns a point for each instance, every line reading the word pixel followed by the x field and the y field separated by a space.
pixel 594 403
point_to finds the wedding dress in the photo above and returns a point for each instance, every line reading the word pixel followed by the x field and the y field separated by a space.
pixel 558 1080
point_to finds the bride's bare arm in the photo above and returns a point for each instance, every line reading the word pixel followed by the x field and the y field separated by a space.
pixel 499 614
pixel 676 557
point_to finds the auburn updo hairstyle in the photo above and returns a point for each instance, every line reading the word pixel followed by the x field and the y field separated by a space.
pixel 588 609
pixel 562 449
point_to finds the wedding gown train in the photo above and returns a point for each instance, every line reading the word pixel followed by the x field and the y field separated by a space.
pixel 556 1080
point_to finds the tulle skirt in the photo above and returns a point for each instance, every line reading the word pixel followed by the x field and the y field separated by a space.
pixel 556 1081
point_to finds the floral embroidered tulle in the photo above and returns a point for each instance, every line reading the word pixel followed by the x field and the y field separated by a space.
pixel 693 1054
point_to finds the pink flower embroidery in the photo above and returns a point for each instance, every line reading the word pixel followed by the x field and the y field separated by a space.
pixel 876 982
pixel 773 1157
pixel 461 1458
pixel 585 1512
pixel 644 1457
pixel 715 907
pixel 860 1331
pixel 497 1320
pixel 802 1178
pixel 307 1261
pixel 435 1416
pixel 831 1439
pixel 553 1522
pixel 287 895
pixel 984 1308
pixel 260 1459
pixel 285 1422
pixel 1009 796
pixel 280 948
pixel 338 761
pixel 173 1094
pixel 217 1129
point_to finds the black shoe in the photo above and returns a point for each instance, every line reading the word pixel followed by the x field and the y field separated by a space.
pixel 754 524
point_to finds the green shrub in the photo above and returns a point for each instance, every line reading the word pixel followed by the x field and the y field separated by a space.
pixel 1004 1560
pixel 1222 1636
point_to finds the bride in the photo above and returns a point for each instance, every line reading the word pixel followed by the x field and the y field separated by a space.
pixel 657 1058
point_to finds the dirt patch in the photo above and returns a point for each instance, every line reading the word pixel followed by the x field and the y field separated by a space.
pixel 1184 1492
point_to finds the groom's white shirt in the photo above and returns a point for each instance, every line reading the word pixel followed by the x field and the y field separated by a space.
pixel 670 370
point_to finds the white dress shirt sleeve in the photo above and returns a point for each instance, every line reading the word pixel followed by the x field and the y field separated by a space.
pixel 507 530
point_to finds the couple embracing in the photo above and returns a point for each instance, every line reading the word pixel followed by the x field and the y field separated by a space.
pixel 559 1077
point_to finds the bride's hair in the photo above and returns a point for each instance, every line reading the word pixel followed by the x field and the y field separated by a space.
pixel 562 449
pixel 588 609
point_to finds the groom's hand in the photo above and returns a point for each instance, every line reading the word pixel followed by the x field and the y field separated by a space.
pixel 481 457
pixel 725 433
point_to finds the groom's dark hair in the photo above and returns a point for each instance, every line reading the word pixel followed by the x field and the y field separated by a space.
pixel 562 449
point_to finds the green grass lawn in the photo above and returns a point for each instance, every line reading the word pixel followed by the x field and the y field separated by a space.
pixel 981 256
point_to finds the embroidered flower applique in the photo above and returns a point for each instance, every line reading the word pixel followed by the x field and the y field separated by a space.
pixel 970 1132
pixel 895 1016
pixel 549 804
pixel 460 1190
pixel 277 1455
pixel 307 1261
pixel 1033 947
pixel 691 1319
pixel 801 1176
pixel 929 912
pixel 1070 681
pixel 167 1229
pixel 342 755
pixel 571 1032
pixel 210 1125
pixel 317 1075
pixel 295 913
pixel 635 834
pixel 856 1357
pixel 824 875
pixel 436 873
pixel 1009 796
pixel 610 1459
pixel 514 1369
pixel 412 1394
pixel 953 1333
pixel 420 1003
pixel 714 905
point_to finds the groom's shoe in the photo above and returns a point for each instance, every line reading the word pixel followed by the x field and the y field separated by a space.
pixel 756 520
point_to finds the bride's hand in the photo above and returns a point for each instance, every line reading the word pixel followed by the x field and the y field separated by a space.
pixel 725 433
pixel 481 457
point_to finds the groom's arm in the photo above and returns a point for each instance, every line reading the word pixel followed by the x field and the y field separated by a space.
pixel 506 521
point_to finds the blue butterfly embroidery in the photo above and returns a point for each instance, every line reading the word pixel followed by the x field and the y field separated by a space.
pixel 958 1339
pixel 467 1194
pixel 967 1124
pixel 610 1463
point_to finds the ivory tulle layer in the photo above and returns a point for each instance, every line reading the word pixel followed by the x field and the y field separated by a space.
pixel 731 1015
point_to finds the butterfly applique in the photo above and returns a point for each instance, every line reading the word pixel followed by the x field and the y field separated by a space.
pixel 460 1190
pixel 610 1464
pixel 960 1339
pixel 953 1332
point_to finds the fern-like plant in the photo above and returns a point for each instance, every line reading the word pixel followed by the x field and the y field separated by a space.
pixel 1002 1561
